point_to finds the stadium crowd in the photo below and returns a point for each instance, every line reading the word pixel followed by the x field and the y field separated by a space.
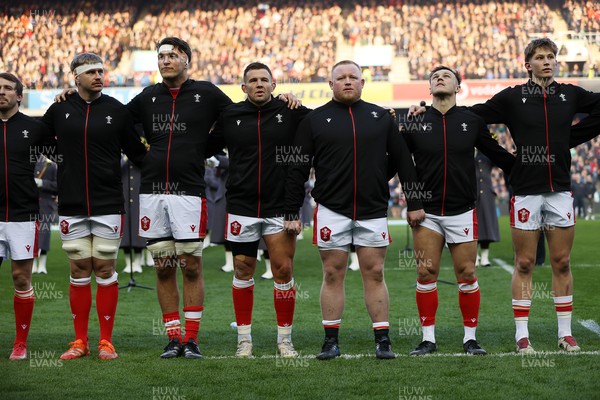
pixel 482 39
pixel 582 16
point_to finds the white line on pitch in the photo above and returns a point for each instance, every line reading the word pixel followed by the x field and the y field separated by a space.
pixel 357 356
pixel 591 325
pixel 504 265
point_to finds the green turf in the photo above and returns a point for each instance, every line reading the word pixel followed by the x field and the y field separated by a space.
pixel 139 338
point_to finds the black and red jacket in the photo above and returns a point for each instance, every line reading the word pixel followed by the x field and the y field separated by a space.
pixel 350 146
pixel 259 141
pixel 90 137
pixel 539 121
pixel 443 150
pixel 176 125
pixel 22 137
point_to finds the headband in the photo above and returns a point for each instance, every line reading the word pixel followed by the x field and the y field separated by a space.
pixel 86 67
pixel 166 48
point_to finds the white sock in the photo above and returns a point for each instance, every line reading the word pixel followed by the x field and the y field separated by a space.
pixel 485 256
pixel 228 258
pixel 428 333
pixel 127 262
pixel 42 262
pixel 469 333
pixel 244 333
pixel 284 332
pixel 522 329
pixel 137 261
pixel 521 322
pixel 564 317
pixel 149 259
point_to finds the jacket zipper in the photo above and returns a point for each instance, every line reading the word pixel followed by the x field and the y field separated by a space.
pixel 445 164
pixel 259 162
pixel 6 169
pixel 85 152
pixel 354 138
pixel 169 147
pixel 548 143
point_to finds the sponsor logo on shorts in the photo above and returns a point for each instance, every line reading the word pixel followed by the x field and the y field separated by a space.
pixel 193 228
pixel 466 230
pixel 236 227
pixel 145 222
pixel 28 247
pixel 383 235
pixel 569 216
pixel 64 227
pixel 116 228
pixel 523 215
pixel 325 234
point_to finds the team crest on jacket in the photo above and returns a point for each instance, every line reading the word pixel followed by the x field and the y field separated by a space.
pixel 145 223
pixel 325 234
pixel 25 134
pixel 64 227
pixel 523 215
pixel 108 119
pixel 236 227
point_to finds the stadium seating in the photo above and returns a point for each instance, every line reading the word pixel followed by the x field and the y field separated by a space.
pixel 483 39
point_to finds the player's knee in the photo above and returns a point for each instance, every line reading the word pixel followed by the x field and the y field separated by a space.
pixel 21 280
pixel 467 275
pixel 524 264
pixel 78 249
pixel 333 276
pixel 465 271
pixel 161 248
pixel 190 273
pixel 425 275
pixel 282 271
pixel 191 248
pixel 244 266
pixel 561 265
pixel 375 274
pixel 105 249
pixel 166 271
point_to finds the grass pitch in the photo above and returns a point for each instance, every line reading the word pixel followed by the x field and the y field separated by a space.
pixel 139 338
